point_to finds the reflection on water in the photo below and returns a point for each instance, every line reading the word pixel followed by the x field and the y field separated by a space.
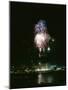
pixel 40 78
pixel 50 79
pixel 34 79
pixel 43 78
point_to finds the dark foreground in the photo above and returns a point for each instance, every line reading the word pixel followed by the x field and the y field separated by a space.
pixel 38 79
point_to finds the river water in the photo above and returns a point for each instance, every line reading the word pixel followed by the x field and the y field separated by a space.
pixel 37 79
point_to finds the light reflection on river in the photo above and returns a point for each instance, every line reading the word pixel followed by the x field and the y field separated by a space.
pixel 43 78
pixel 50 78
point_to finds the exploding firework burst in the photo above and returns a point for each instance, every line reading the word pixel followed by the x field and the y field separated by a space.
pixel 41 37
pixel 41 26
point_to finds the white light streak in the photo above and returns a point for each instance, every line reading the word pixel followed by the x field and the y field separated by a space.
pixel 41 40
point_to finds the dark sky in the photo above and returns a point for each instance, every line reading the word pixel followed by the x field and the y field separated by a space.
pixel 23 17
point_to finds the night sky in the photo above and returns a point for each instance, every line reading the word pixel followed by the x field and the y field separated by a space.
pixel 23 17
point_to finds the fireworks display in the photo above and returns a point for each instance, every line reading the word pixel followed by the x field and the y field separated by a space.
pixel 41 26
pixel 41 36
